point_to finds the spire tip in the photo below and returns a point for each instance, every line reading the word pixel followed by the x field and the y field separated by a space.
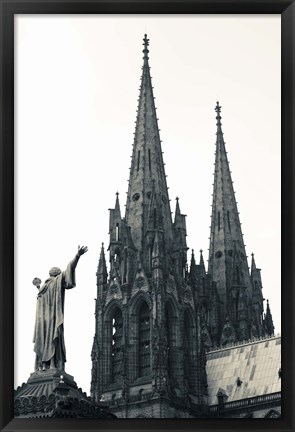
pixel 145 44
pixel 218 107
pixel 218 111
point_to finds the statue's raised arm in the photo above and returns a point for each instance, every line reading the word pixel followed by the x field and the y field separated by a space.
pixel 49 344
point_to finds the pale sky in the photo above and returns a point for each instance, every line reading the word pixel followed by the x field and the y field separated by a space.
pixel 77 80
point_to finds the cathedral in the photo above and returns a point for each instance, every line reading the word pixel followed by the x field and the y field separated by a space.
pixel 166 325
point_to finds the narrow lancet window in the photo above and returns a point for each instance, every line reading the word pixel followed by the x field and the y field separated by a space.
pixel 144 339
pixel 117 232
pixel 125 266
pixel 228 221
pixel 150 167
pixel 117 341
pixel 138 160
pixel 218 221
pixel 150 258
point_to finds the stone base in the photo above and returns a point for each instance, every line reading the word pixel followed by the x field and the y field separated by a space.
pixel 46 394
pixel 51 376
pixel 45 382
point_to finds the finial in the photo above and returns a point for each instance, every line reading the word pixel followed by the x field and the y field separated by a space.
pixel 145 44
pixel 177 198
pixel 117 193
pixel 102 245
pixel 252 255
pixel 218 110
pixel 201 251
pixel 218 107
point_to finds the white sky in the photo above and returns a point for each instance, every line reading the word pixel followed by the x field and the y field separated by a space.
pixel 77 80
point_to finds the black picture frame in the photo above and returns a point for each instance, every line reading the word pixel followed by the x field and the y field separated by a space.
pixel 8 9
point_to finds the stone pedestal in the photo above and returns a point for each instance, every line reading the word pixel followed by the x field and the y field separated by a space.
pixel 54 393
pixel 49 380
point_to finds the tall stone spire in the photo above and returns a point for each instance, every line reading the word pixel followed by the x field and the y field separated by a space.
pixel 228 265
pixel 147 196
pixel 102 272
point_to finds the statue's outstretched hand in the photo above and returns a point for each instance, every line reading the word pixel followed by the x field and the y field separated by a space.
pixel 82 250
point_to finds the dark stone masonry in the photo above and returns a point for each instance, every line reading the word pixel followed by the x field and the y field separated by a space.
pixel 157 316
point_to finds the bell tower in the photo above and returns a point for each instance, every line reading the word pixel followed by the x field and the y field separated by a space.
pixel 148 352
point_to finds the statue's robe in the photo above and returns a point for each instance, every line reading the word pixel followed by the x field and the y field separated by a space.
pixel 48 334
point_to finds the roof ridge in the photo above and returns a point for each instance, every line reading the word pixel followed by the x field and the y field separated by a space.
pixel 243 343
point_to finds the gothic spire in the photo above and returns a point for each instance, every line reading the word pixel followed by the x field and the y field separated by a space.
pixel 147 168
pixel 193 261
pixel 177 211
pixel 253 264
pixel 255 277
pixel 226 239
pixel 101 274
pixel 179 225
pixel 268 322
pixel 117 205
pixel 102 267
pixel 201 259
pixel 179 245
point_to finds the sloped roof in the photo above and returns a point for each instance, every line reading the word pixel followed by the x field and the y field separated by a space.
pixel 255 363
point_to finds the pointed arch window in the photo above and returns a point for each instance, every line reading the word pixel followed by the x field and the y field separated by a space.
pixel 144 340
pixel 171 340
pixel 117 259
pixel 150 258
pixel 125 266
pixel 228 220
pixel 117 343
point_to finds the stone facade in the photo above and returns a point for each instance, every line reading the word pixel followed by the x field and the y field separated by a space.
pixel 155 316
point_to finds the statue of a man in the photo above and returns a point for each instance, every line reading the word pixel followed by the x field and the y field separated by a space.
pixel 49 344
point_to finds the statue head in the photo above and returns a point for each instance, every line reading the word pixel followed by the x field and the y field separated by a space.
pixel 37 282
pixel 54 271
